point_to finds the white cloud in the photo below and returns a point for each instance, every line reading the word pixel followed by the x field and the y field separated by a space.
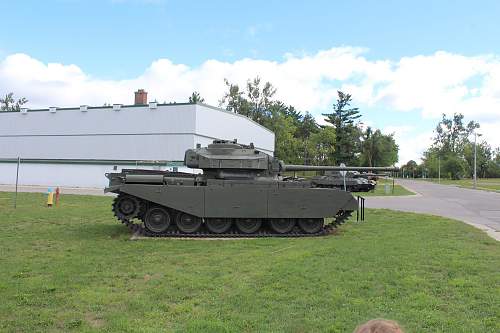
pixel 430 84
pixel 411 142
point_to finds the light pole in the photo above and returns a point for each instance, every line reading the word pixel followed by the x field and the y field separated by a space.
pixel 475 158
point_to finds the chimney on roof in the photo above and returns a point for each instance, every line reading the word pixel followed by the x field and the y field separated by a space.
pixel 141 97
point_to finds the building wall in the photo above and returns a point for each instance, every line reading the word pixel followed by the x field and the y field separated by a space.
pixel 104 138
pixel 68 175
pixel 131 133
pixel 211 121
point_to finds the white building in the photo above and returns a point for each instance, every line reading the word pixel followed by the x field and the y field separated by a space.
pixel 77 146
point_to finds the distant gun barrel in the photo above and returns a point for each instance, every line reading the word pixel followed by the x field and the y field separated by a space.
pixel 294 167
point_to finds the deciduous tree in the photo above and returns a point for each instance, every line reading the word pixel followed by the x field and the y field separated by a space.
pixel 9 103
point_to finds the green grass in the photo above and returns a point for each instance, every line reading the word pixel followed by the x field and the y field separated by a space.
pixel 488 184
pixel 380 191
pixel 73 268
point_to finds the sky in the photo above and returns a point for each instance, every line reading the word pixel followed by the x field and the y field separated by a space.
pixel 404 62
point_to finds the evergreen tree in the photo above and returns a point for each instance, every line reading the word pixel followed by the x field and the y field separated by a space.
pixel 347 132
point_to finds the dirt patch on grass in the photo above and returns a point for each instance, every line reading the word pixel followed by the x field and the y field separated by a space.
pixel 94 321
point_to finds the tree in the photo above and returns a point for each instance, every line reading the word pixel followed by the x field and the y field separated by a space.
pixel 306 127
pixel 233 100
pixel 453 166
pixel 452 149
pixel 484 155
pixel 410 167
pixel 452 134
pixel 493 170
pixel 254 102
pixel 8 103
pixel 259 98
pixel 347 133
pixel 322 144
pixel 287 146
pixel 299 138
pixel 378 149
pixel 196 98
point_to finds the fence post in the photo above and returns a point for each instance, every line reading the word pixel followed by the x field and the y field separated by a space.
pixel 357 211
pixel 17 180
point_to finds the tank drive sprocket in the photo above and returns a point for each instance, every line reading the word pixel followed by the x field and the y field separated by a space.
pixel 126 207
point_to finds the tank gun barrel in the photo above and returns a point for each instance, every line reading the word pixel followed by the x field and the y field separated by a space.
pixel 295 167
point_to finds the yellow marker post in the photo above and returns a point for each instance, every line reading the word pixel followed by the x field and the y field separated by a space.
pixel 50 198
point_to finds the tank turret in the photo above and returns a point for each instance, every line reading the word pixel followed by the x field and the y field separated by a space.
pixel 225 159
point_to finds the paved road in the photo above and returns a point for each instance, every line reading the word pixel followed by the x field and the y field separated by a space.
pixel 478 208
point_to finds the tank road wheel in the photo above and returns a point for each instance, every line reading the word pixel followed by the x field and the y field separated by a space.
pixel 188 223
pixel 157 220
pixel 218 225
pixel 248 226
pixel 126 207
pixel 310 225
pixel 282 226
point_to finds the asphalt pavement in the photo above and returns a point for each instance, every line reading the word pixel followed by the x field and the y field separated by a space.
pixel 475 207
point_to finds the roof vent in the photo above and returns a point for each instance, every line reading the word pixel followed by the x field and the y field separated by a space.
pixel 52 109
pixel 153 105
pixel 24 110
pixel 117 107
pixel 83 108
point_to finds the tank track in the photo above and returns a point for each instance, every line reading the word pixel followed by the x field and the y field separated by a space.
pixel 138 229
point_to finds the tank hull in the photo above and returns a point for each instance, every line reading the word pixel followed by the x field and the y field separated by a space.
pixel 232 199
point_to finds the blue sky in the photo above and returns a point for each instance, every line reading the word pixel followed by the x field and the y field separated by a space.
pixel 91 33
pixel 112 42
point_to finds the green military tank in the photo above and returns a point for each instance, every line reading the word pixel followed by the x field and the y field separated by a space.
pixel 335 179
pixel 241 192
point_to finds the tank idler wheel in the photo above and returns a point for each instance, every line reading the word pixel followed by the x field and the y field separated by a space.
pixel 157 220
pixel 311 225
pixel 248 226
pixel 126 207
pixel 188 223
pixel 342 216
pixel 282 226
pixel 218 225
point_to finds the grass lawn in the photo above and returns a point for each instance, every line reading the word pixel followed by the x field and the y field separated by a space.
pixel 380 190
pixel 488 184
pixel 73 268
